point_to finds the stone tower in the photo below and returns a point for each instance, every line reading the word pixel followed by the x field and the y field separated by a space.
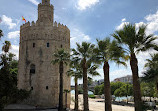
pixel 38 42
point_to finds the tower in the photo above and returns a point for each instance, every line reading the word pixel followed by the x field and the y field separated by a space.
pixel 38 41
pixel 46 12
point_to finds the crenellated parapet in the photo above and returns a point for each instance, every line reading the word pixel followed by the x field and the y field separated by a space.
pixel 61 27
pixel 36 31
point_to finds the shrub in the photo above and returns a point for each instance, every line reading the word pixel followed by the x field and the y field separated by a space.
pixel 91 96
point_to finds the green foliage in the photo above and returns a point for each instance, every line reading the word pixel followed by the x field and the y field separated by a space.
pixel 117 93
pixel 80 90
pixel 92 96
pixel 8 80
pixel 116 85
pixel 61 56
pixel 147 89
pixel 99 90
pixel 135 41
pixel 107 50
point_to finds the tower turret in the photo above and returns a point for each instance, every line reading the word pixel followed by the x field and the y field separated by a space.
pixel 46 2
pixel 45 12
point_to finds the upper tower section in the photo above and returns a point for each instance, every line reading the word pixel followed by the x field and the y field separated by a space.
pixel 46 12
pixel 46 2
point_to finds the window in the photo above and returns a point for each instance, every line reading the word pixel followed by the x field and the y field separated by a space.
pixel 32 69
pixel 33 45
pixel 47 44
pixel 31 88
pixel 61 46
pixel 47 87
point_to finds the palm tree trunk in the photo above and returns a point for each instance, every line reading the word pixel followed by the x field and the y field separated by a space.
pixel 157 86
pixel 107 88
pixel 66 100
pixel 85 86
pixel 76 95
pixel 61 87
pixel 136 84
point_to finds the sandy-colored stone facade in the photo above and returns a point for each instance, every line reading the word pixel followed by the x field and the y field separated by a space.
pixel 38 42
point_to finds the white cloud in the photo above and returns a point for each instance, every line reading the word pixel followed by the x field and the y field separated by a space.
pixel 152 23
pixel 124 19
pixel 8 21
pixel 13 35
pixel 35 2
pixel 78 36
pixel 15 50
pixel 83 4
pixel 121 25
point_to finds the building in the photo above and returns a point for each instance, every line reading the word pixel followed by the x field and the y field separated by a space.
pixel 125 79
pixel 38 41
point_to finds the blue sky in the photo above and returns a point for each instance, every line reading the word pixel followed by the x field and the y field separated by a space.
pixel 86 19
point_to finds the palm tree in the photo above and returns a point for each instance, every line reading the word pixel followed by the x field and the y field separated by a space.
pixel 66 91
pixel 153 62
pixel 84 52
pixel 77 72
pixel 135 41
pixel 6 46
pixel 151 74
pixel 104 52
pixel 61 57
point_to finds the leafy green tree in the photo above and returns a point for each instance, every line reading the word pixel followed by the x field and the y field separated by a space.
pixel 84 52
pixel 135 41
pixel 147 89
pixel 126 90
pixel 116 85
pixel 117 93
pixel 105 52
pixel 61 57
pixel 8 79
pixel 97 90
pixel 6 46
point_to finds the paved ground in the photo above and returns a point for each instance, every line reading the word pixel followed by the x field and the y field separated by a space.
pixel 93 105
pixel 99 106
pixel 18 107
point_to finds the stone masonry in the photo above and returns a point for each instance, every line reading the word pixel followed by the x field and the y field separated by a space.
pixel 38 42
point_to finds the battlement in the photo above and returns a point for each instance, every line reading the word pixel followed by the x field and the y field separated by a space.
pixel 27 25
pixel 45 5
pixel 61 27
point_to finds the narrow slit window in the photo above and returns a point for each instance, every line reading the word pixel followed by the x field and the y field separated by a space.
pixel 33 45
pixel 61 46
pixel 46 87
pixel 31 88
pixel 47 44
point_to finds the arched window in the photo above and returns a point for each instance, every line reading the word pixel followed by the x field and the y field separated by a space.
pixel 32 69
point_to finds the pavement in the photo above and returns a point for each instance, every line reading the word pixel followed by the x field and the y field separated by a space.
pixel 19 107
